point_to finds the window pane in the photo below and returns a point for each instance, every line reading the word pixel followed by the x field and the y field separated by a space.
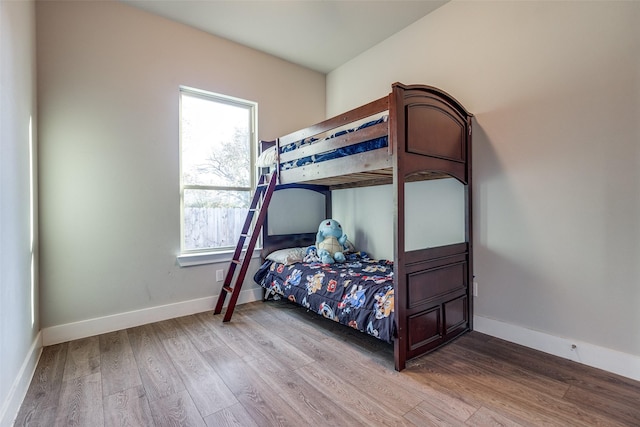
pixel 214 219
pixel 216 145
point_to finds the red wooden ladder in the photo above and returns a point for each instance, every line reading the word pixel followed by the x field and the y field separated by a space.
pixel 259 204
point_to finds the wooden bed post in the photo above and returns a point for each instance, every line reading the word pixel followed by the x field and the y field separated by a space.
pixel 397 143
pixel 469 220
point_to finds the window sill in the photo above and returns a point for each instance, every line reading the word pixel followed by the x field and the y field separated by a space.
pixel 201 258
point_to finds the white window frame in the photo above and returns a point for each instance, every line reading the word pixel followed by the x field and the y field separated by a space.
pixel 189 257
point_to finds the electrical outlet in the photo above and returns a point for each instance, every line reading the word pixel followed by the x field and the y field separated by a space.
pixel 475 289
pixel 219 275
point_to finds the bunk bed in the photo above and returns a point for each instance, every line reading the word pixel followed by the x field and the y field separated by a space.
pixel 415 133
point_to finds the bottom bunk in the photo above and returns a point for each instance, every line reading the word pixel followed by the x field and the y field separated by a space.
pixel 361 293
pixel 357 293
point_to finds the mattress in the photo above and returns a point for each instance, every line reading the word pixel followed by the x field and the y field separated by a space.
pixel 268 157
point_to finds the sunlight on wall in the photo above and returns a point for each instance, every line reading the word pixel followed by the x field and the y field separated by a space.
pixel 31 222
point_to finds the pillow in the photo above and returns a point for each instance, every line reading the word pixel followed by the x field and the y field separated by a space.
pixel 350 247
pixel 287 256
pixel 267 158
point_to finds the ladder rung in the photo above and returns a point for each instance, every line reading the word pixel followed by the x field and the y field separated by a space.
pixel 236 261
pixel 228 289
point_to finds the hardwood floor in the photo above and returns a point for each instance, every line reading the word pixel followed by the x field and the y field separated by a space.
pixel 276 364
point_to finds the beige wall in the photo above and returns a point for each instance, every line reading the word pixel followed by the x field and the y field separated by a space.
pixel 108 78
pixel 19 319
pixel 555 87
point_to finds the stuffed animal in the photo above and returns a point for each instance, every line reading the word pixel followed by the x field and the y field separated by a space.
pixel 331 242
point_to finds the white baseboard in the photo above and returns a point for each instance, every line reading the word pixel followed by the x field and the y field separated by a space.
pixel 18 391
pixel 130 319
pixel 595 356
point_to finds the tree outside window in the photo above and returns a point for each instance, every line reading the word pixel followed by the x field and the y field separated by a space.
pixel 216 140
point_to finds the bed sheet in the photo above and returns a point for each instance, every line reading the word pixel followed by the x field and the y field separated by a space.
pixel 358 293
pixel 268 157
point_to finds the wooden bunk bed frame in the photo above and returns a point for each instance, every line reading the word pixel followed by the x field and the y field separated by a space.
pixel 429 137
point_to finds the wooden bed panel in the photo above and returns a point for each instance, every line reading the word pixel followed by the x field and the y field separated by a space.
pixel 456 316
pixel 426 286
pixel 436 134
pixel 435 130
pixel 425 330
pixel 436 326
pixel 433 295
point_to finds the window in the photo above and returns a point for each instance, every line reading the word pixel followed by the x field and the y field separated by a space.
pixel 216 154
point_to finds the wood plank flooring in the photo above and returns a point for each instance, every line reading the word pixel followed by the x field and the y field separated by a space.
pixel 275 364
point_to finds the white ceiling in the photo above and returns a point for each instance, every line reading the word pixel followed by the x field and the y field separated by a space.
pixel 318 34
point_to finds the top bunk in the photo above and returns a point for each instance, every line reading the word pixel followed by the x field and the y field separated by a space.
pixel 415 133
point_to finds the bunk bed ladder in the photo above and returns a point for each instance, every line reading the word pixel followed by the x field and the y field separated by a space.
pixel 259 204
